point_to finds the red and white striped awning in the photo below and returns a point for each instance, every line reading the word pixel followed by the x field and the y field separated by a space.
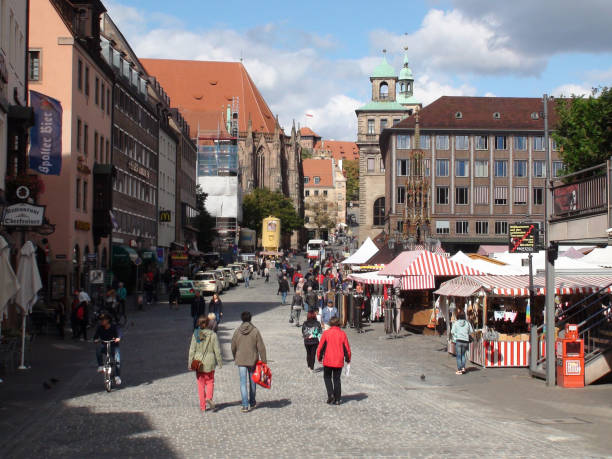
pixel 459 286
pixel 426 263
pixel 372 278
pixel 418 282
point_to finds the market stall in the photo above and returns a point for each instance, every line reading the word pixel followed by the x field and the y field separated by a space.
pixel 499 310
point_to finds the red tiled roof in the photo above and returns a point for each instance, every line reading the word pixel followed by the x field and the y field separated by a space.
pixel 202 91
pixel 322 168
pixel 307 132
pixel 339 149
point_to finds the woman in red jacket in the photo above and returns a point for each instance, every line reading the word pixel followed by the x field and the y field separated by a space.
pixel 333 350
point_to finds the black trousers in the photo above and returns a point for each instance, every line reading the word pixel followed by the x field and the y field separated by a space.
pixel 331 376
pixel 311 353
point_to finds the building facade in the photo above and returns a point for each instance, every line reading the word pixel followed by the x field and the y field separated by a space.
pixel 324 197
pixel 392 101
pixel 65 64
pixel 484 163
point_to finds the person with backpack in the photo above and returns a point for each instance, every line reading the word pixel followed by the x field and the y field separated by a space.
pixel 460 332
pixel 333 351
pixel 311 332
pixel 204 357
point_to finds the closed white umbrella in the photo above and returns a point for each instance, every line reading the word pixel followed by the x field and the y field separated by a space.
pixel 8 280
pixel 30 283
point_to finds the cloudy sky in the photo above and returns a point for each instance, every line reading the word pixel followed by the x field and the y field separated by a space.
pixel 316 57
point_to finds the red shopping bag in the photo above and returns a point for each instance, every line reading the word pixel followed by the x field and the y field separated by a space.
pixel 262 375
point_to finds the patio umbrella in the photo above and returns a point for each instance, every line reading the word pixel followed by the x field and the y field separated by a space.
pixel 29 280
pixel 8 281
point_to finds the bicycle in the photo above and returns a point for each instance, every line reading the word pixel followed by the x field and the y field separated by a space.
pixel 109 363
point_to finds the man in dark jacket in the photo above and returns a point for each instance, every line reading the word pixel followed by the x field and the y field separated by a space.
pixel 247 348
pixel 311 300
pixel 198 307
pixel 283 288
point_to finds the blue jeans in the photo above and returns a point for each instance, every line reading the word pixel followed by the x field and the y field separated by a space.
pixel 284 297
pixel 246 282
pixel 101 350
pixel 247 393
pixel 461 349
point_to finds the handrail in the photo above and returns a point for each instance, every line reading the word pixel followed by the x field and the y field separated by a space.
pixel 580 172
pixel 567 317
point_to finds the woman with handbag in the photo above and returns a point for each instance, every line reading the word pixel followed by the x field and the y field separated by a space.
pixel 204 357
pixel 461 333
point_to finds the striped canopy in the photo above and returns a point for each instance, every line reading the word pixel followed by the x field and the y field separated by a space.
pixel 425 263
pixel 373 278
pixel 418 282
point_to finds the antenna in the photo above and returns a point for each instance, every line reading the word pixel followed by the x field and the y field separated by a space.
pixel 240 55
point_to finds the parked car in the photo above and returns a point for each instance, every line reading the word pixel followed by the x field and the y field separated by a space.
pixel 207 282
pixel 237 268
pixel 233 280
pixel 223 278
pixel 186 290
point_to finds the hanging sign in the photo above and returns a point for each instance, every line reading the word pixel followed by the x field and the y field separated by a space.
pixel 23 214
pixel 165 216
pixel 46 135
pixel 523 238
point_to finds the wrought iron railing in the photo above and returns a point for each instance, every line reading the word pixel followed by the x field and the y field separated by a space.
pixel 578 196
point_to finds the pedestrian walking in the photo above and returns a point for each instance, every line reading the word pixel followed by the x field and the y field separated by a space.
pixel 333 351
pixel 212 322
pixel 204 357
pixel 328 313
pixel 198 307
pixel 311 332
pixel 310 300
pixel 460 332
pixel 247 348
pixel 283 287
pixel 267 274
pixel 121 297
pixel 299 288
pixel 297 304
pixel 216 306
pixel 246 273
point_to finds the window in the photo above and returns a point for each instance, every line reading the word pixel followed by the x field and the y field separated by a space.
pixel 538 143
pixel 108 102
pixel 371 164
pixel 95 145
pixel 317 179
pixel 442 142
pixel 383 124
pixel 520 142
pixel 501 228
pixel 557 168
pixel 87 81
pixel 520 168
pixel 34 65
pixel 371 126
pixel 84 196
pixel 102 96
pixel 481 168
pixel 481 195
pixel 108 160
pixel 427 166
pixel 306 219
pixel 501 195
pixel 520 195
pixel 401 195
pixel 403 142
pixel 97 91
pixel 482 142
pixel 316 192
pixel 461 227
pixel 538 196
pixel 462 168
pixel 424 141
pixel 403 167
pixel 482 227
pixel 383 91
pixel 78 135
pixel 501 168
pixel 442 227
pixel 80 75
pixel 442 195
pixel 539 168
pixel 379 212
pixel 85 139
pixel 396 120
pixel 500 142
pixel 306 180
pixel 461 195
pixel 441 167
pixel 78 193
pixel 324 192
pixel 555 147
pixel 382 165
pixel 462 142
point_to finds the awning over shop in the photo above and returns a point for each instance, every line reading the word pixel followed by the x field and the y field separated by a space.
pixel 423 263
pixel 459 286
pixel 124 254
pixel 367 250
pixel 373 278
pixel 418 282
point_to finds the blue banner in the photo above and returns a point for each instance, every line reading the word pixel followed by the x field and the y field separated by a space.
pixel 46 135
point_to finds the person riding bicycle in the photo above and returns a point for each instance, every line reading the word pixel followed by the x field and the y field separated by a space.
pixel 108 332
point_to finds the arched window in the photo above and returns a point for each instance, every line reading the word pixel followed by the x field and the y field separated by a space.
pixel 383 91
pixel 379 212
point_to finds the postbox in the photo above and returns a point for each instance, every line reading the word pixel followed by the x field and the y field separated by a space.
pixel 570 358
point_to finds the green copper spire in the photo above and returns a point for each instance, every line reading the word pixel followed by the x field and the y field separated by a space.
pixel 384 70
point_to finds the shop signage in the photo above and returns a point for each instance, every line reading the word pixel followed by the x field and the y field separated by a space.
pixel 96 276
pixel 141 170
pixel 565 199
pixel 81 225
pixel 23 214
pixel 523 238
pixel 165 216
pixel 46 135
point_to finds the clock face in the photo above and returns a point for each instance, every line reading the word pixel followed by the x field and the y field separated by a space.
pixel 22 192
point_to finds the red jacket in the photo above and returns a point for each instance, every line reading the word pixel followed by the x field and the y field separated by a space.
pixel 334 348
pixel 296 277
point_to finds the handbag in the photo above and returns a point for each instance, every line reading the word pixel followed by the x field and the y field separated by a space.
pixel 196 364
pixel 262 375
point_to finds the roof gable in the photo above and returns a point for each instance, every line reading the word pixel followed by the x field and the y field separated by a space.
pixel 322 168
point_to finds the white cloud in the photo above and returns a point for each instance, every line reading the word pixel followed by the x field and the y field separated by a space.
pixel 426 90
pixel 568 90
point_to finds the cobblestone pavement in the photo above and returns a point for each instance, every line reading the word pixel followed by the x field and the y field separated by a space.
pixel 402 399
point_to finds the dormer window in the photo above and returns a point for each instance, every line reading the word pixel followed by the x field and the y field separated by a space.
pixel 383 91
pixel 496 115
pixel 458 115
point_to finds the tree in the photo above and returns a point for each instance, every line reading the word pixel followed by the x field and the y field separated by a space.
pixel 306 153
pixel 262 203
pixel 351 168
pixel 320 214
pixel 584 130
pixel 204 222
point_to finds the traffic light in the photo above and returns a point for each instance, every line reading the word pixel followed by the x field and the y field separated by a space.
pixel 552 252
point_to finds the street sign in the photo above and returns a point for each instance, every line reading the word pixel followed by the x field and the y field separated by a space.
pixel 23 214
pixel 523 238
pixel 96 276
pixel 138 261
